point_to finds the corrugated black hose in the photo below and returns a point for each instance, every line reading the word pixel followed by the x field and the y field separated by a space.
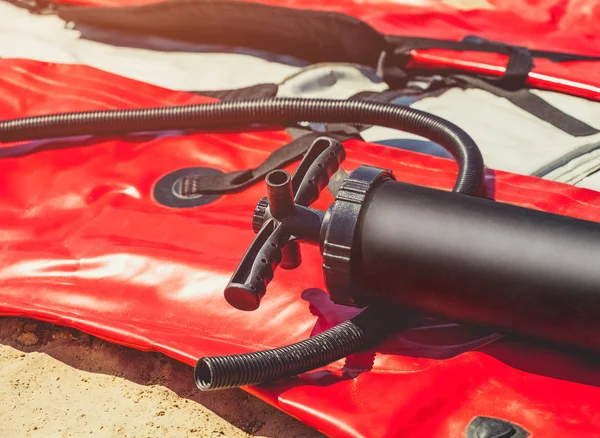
pixel 273 110
pixel 368 327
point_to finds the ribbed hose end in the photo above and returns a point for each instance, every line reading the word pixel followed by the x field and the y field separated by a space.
pixel 363 331
pixel 223 372
pixel 203 374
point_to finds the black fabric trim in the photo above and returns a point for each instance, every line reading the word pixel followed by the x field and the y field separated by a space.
pixel 315 36
pixel 259 91
pixel 240 180
pixel 534 105
pixel 382 96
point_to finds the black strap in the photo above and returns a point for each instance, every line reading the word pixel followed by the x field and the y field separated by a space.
pixel 533 104
pixel 478 44
pixel 259 91
pixel 520 61
pixel 239 180
pixel 379 96
pixel 517 70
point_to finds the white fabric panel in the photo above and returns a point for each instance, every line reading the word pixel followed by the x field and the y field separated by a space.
pixel 170 64
pixel 331 81
pixel 510 139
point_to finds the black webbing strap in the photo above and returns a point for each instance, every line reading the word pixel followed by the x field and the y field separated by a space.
pixel 517 70
pixel 259 91
pixel 239 180
pixel 478 44
pixel 533 104
pixel 520 62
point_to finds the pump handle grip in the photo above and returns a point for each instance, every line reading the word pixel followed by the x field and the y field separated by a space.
pixel 321 161
pixel 277 220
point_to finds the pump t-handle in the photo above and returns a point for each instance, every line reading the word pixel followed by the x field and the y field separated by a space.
pixel 281 220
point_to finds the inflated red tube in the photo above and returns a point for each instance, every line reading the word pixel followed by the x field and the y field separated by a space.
pixel 438 369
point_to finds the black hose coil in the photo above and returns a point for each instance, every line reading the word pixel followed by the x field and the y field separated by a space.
pixel 360 332
pixel 277 110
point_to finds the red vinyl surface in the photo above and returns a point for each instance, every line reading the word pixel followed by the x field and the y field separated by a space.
pixel 84 244
pixel 560 25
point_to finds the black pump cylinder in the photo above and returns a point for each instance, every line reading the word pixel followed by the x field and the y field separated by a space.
pixel 479 261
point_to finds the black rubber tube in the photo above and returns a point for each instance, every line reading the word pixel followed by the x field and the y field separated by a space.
pixel 277 110
pixel 364 330
pixel 358 333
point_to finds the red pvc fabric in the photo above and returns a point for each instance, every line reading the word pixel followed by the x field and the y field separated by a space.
pixel 559 25
pixel 84 244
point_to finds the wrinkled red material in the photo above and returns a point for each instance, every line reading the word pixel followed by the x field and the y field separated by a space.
pixel 85 245
pixel 560 25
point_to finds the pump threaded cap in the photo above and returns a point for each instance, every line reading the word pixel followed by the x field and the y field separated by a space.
pixel 258 218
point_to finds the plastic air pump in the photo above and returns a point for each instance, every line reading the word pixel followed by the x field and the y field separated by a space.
pixel 461 257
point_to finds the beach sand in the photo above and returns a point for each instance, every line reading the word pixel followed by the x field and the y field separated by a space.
pixel 60 382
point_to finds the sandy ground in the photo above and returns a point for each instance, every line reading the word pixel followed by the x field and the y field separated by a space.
pixel 59 382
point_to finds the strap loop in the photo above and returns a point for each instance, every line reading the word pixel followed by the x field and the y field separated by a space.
pixel 239 180
pixel 520 62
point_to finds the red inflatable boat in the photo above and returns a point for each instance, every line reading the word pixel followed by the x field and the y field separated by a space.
pixel 91 239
